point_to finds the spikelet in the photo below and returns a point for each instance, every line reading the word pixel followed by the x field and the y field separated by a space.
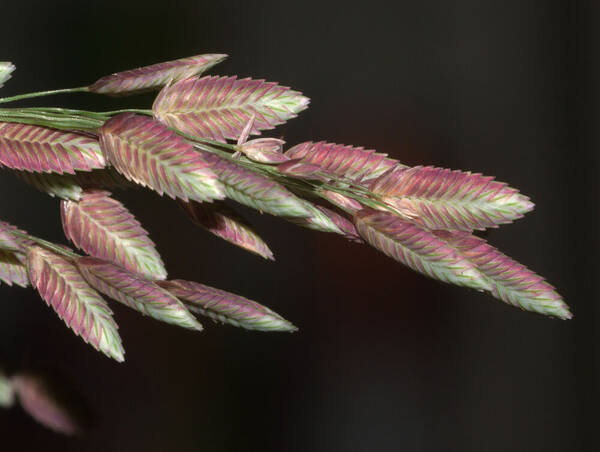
pixel 220 107
pixel 44 150
pixel 455 200
pixel 343 202
pixel 418 248
pixel 82 309
pixel 298 169
pixel 264 150
pixel 64 186
pixel 222 221
pixel 12 242
pixel 355 163
pixel 136 292
pixel 254 190
pixel 148 153
pixel 509 281
pixel 319 219
pixel 40 401
pixel 227 307
pixel 103 228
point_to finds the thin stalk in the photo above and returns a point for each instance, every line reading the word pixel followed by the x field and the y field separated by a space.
pixel 103 115
pixel 43 93
pixel 55 121
pixel 129 110
pixel 48 245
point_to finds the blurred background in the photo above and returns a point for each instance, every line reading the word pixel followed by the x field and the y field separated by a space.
pixel 385 359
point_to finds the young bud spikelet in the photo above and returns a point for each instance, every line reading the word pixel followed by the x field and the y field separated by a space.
pixel 152 77
pixel 264 150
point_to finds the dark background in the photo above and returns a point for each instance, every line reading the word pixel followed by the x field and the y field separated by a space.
pixel 385 359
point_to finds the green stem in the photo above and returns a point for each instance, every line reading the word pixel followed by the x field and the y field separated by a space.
pixel 60 121
pixel 68 119
pixel 365 196
pixel 43 93
pixel 129 110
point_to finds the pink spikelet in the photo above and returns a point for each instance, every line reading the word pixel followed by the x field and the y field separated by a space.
pixel 255 190
pixel 345 226
pixel 62 287
pixel 39 400
pixel 220 107
pixel 136 292
pixel 298 169
pixel 148 153
pixel 453 200
pixel 509 281
pixel 12 242
pixel 104 228
pixel 227 307
pixel 13 269
pixel 418 248
pixel 355 163
pixel 224 222
pixel 44 150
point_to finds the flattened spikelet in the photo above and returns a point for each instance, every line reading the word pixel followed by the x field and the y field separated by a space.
pixel 510 281
pixel 418 248
pixel 256 191
pixel 103 228
pixel 82 309
pixel 148 153
pixel 456 200
pixel 44 150
pixel 222 221
pixel 220 107
pixel 136 292
pixel 355 163
pixel 227 307
pixel 13 268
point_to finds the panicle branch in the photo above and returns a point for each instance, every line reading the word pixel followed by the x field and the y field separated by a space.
pixel 422 217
